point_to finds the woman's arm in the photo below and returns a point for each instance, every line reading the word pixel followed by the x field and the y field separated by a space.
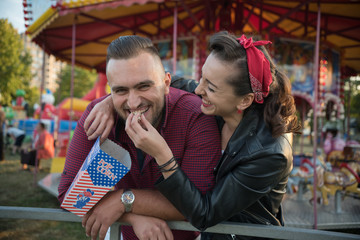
pixel 102 117
pixel 100 120
pixel 236 191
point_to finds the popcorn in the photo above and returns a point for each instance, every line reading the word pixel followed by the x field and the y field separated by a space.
pixel 104 166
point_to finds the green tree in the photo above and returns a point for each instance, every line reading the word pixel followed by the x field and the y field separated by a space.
pixel 32 96
pixel 15 63
pixel 83 82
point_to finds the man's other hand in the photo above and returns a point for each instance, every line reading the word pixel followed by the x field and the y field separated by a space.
pixel 107 211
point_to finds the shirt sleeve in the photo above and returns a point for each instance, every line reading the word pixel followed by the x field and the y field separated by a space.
pixel 77 151
pixel 202 152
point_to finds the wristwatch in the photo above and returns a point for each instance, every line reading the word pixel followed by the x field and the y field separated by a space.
pixel 128 198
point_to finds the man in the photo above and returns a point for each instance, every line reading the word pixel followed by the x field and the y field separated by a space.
pixel 139 84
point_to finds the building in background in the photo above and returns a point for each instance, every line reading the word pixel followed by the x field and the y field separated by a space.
pixel 52 66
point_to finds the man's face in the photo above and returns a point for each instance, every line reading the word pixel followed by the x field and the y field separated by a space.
pixel 138 84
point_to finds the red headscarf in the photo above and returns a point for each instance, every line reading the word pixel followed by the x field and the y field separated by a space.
pixel 259 68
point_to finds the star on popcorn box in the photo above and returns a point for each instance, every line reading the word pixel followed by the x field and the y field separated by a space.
pixel 104 166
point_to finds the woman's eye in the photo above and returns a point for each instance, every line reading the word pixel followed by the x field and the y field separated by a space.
pixel 211 90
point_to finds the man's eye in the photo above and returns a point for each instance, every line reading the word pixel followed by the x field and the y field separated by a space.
pixel 211 90
pixel 144 87
pixel 120 91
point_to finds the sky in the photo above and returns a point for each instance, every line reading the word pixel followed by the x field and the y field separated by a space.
pixel 13 10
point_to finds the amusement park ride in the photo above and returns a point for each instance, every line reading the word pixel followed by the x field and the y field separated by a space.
pixel 339 174
pixel 181 28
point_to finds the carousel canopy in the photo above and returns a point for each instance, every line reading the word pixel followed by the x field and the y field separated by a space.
pixel 98 22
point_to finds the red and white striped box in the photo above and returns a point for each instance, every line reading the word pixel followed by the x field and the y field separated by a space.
pixel 104 166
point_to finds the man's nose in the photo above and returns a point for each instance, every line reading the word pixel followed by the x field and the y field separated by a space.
pixel 133 100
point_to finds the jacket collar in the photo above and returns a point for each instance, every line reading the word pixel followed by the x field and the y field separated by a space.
pixel 247 127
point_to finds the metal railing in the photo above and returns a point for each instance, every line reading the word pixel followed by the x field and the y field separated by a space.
pixel 253 230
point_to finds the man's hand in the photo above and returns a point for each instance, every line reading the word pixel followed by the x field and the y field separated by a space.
pixel 149 228
pixel 107 211
pixel 100 120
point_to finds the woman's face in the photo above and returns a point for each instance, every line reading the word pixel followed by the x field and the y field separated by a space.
pixel 218 97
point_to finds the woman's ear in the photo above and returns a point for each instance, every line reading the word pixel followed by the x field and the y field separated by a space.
pixel 246 101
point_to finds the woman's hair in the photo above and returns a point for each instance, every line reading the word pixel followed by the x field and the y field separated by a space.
pixel 279 107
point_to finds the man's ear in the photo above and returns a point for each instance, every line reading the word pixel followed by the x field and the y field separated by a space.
pixel 246 101
pixel 167 82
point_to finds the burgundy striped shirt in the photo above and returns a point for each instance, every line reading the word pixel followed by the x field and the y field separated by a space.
pixel 192 136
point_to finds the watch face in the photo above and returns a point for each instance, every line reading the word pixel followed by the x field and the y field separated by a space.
pixel 128 197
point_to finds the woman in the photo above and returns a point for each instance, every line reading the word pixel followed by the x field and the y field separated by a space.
pixel 44 144
pixel 255 109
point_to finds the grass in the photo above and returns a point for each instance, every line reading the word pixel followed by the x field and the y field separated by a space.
pixel 17 188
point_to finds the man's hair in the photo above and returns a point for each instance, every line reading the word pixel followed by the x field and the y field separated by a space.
pixel 130 46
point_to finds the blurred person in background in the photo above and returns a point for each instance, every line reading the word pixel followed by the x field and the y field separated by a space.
pixel 18 136
pixel 44 144
pixel 2 124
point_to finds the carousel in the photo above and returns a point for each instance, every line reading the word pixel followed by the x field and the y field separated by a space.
pixel 317 44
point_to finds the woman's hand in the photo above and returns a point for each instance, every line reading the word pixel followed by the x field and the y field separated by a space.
pixel 150 228
pixel 147 138
pixel 100 120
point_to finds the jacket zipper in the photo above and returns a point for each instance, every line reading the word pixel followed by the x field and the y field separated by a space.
pixel 262 220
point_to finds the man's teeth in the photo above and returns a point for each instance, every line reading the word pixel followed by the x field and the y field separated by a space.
pixel 139 111
pixel 208 103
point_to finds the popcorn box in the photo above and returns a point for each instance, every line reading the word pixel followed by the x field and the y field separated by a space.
pixel 104 166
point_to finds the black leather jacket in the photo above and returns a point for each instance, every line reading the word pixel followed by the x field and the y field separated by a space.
pixel 251 180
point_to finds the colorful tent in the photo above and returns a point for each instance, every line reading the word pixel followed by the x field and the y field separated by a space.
pixel 98 22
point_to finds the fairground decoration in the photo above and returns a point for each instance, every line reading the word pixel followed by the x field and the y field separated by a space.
pixel 186 56
pixel 27 12
pixel 296 59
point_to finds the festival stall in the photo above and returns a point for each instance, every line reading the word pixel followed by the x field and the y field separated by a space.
pixel 181 28
pixel 79 32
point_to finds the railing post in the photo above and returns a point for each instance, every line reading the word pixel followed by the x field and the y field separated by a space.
pixel 300 193
pixel 115 231
pixel 338 202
